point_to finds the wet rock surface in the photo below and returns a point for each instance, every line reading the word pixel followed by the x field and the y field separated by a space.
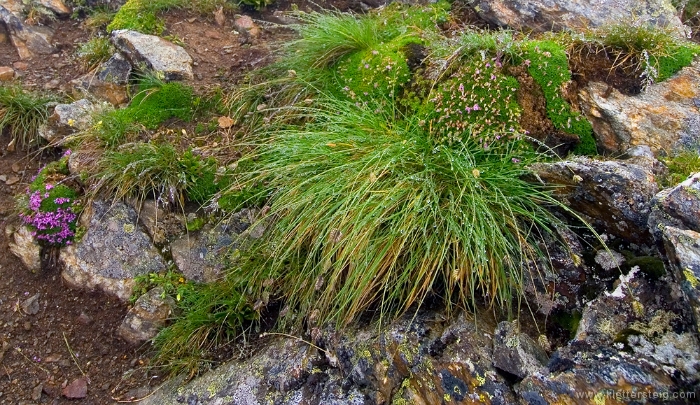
pixel 615 195
pixel 414 361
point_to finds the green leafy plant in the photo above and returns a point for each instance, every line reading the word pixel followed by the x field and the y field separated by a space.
pixel 681 165
pixel 258 4
pixel 22 113
pixel 142 15
pixel 170 281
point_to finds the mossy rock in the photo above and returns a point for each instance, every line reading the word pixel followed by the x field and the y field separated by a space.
pixel 548 64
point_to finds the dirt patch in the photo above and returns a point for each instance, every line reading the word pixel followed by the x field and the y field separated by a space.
pixel 36 362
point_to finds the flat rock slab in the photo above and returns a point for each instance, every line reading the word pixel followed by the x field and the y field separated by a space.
pixel 154 53
pixel 113 251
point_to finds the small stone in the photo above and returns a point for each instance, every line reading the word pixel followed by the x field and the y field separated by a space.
pixel 84 319
pixel 20 65
pixel 76 389
pixel 6 73
pixel 3 178
pixel 15 167
pixel 220 17
pixel 31 305
pixel 27 326
pixel 36 392
pixel 52 85
pixel 212 34
pixel 12 180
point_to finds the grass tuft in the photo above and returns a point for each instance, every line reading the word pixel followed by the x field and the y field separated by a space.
pixel 94 52
pixel 22 113
pixel 376 214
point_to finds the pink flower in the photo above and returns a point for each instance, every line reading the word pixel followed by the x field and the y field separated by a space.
pixel 476 107
pixel 49 186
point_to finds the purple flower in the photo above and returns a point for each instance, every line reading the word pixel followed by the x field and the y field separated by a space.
pixel 48 186
pixel 515 160
pixel 66 153
pixel 476 107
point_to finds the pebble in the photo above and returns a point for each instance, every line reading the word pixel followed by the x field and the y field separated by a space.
pixel 12 180
pixel 3 178
pixel 6 73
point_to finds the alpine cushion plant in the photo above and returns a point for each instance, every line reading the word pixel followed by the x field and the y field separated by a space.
pixel 50 210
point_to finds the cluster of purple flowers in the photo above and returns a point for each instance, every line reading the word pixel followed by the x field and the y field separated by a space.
pixel 55 227
pixel 478 101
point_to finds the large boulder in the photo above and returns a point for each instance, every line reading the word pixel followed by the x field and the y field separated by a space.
pixel 664 116
pixel 548 15
pixel 421 360
pixel 614 195
pixel 675 224
pixel 28 41
pixel 154 53
pixel 112 252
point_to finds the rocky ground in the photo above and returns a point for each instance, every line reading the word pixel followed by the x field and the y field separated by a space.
pixel 54 339
pixel 60 344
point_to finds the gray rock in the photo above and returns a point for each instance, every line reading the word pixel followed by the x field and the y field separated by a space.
pixel 615 195
pixel 577 15
pixel 16 7
pixel 69 118
pixel 112 252
pixel 149 314
pixel 27 40
pixel 115 70
pixel 683 252
pixel 154 53
pixel 664 116
pixel 91 85
pixel 31 305
pixel 162 226
pixel 557 282
pixel 420 360
pixel 23 245
pixel 676 206
pixel 517 353
pixel 201 255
